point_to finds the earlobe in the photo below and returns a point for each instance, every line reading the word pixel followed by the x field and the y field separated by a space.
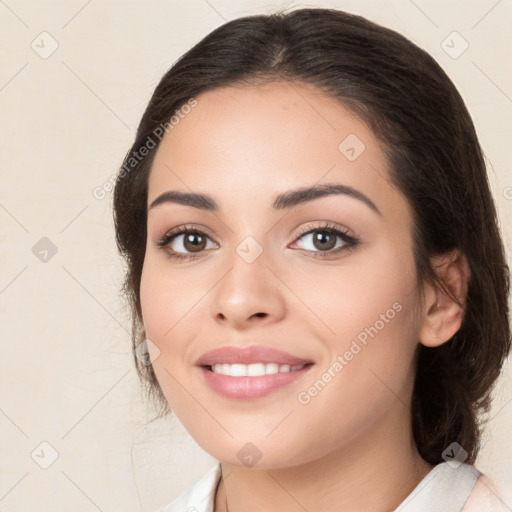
pixel 444 304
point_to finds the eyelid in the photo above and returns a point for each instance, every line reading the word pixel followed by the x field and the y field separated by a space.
pixel 184 228
pixel 327 226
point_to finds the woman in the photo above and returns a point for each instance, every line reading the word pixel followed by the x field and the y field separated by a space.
pixel 315 268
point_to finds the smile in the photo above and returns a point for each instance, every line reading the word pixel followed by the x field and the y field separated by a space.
pixel 251 381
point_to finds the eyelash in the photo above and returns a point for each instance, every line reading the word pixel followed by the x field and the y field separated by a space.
pixel 350 242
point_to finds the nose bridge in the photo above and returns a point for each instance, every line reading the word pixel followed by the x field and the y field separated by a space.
pixel 248 241
pixel 248 272
pixel 249 288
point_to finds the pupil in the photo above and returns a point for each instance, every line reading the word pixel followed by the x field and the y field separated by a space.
pixel 324 240
pixel 192 244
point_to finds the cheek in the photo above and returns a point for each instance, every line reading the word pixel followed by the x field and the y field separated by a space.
pixel 156 298
pixel 167 299
pixel 369 368
pixel 367 319
pixel 345 302
pixel 166 306
pixel 174 309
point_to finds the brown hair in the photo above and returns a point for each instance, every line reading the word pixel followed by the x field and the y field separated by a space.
pixel 435 161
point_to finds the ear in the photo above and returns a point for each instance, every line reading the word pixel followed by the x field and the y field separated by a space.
pixel 442 315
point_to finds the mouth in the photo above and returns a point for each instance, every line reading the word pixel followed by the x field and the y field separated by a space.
pixel 250 372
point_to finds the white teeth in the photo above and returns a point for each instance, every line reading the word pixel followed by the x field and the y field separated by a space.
pixel 254 369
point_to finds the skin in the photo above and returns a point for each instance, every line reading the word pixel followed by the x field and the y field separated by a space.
pixel 242 146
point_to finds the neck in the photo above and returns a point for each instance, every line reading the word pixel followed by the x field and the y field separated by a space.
pixel 385 463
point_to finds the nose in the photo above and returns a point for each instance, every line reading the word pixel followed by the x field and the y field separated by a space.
pixel 249 294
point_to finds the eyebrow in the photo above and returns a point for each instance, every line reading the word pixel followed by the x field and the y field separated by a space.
pixel 282 201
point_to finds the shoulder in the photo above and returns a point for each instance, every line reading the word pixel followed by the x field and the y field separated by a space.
pixel 200 496
pixel 485 498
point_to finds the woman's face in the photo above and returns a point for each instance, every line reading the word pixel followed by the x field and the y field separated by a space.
pixel 327 278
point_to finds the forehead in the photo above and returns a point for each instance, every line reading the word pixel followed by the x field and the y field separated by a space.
pixel 251 142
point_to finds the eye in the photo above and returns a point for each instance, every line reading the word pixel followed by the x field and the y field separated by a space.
pixel 189 242
pixel 326 240
pixel 185 243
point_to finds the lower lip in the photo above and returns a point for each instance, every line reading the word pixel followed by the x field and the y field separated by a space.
pixel 250 387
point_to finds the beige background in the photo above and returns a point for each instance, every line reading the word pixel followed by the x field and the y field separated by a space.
pixel 67 375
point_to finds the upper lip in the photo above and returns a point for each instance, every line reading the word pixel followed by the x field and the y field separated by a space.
pixel 248 355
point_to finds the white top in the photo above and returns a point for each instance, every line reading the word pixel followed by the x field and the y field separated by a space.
pixel 444 488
